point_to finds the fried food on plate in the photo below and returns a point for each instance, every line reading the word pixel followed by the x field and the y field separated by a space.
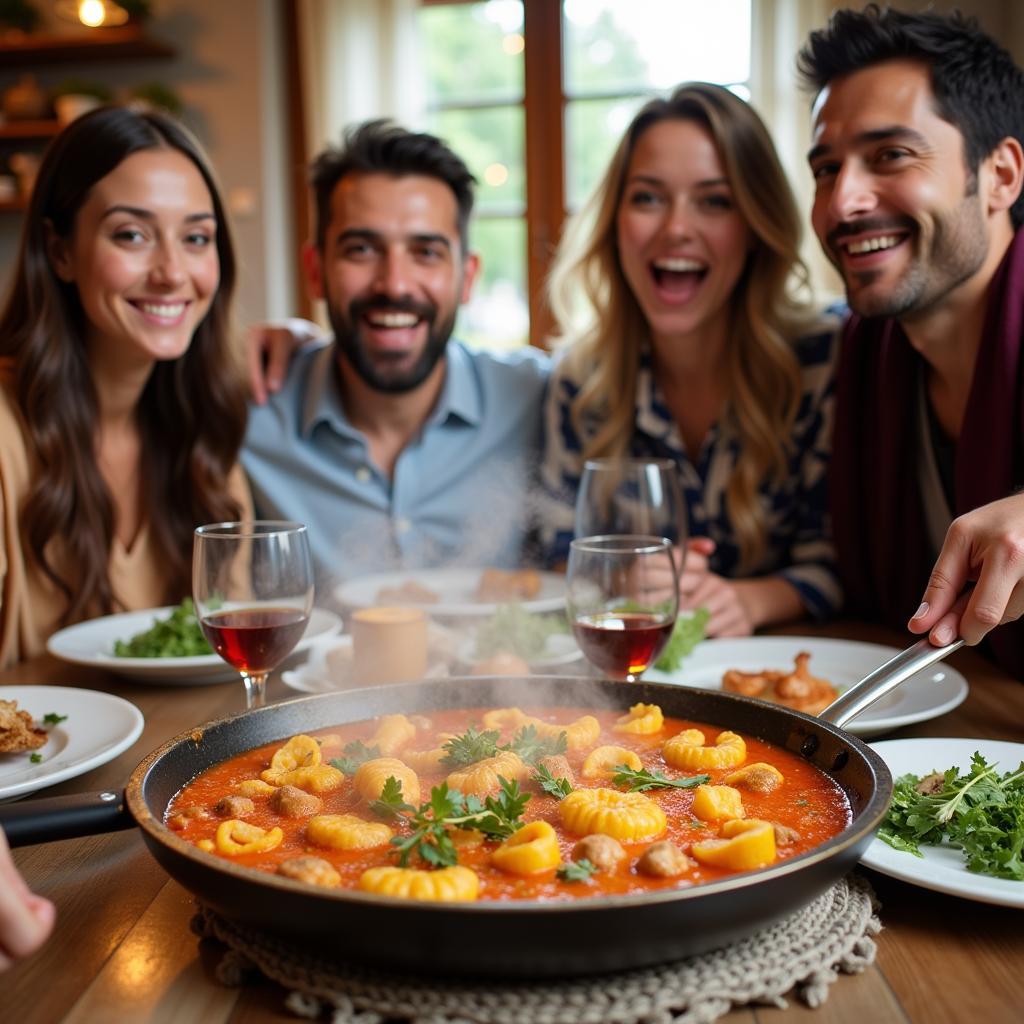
pixel 508 585
pixel 18 732
pixel 409 592
pixel 798 689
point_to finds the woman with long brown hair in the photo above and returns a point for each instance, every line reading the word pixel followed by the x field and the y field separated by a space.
pixel 121 408
pixel 677 291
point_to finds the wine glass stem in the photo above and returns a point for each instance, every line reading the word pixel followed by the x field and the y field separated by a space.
pixel 255 689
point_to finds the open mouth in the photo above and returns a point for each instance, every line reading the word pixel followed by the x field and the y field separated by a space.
pixel 864 246
pixel 389 320
pixel 162 312
pixel 677 275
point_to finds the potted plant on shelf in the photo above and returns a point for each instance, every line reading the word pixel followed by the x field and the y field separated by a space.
pixel 76 96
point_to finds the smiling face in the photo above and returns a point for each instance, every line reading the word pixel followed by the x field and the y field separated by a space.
pixel 895 208
pixel 393 274
pixel 682 242
pixel 143 257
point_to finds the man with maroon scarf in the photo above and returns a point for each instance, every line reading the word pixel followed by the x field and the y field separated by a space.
pixel 919 169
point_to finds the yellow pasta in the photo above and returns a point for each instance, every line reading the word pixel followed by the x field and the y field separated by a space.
pixel 686 751
pixel 317 778
pixel 454 884
pixel 371 776
pixel 743 846
pixel 504 719
pixel 346 832
pixel 299 752
pixel 235 837
pixel 642 720
pixel 393 733
pixel 254 787
pixel 481 779
pixel 712 803
pixel 528 851
pixel 628 817
pixel 599 763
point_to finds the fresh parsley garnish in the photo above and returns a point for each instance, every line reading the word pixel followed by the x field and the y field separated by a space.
pixel 470 747
pixel 52 718
pixel 177 636
pixel 981 812
pixel 640 780
pixel 531 748
pixel 576 871
pixel 35 758
pixel 357 752
pixel 558 788
pixel 430 824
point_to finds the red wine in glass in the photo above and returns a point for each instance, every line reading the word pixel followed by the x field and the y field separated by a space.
pixel 254 639
pixel 622 644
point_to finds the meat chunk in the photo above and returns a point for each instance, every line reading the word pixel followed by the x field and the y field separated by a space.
pixel 663 860
pixel 292 802
pixel 784 835
pixel 931 784
pixel 180 819
pixel 17 730
pixel 311 870
pixel 234 807
pixel 604 852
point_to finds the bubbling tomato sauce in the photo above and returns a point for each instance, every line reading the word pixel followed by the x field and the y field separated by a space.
pixel 810 806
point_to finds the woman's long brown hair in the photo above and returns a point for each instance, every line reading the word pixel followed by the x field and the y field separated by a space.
pixel 192 413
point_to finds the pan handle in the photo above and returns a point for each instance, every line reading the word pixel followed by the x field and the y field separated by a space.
pixel 886 677
pixel 64 817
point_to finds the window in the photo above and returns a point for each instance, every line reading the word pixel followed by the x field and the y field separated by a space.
pixel 534 95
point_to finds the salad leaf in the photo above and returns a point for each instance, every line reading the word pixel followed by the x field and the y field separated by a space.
pixel 686 634
pixel 640 780
pixel 981 812
pixel 517 631
pixel 177 636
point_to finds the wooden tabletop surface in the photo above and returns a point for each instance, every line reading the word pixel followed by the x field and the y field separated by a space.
pixel 122 950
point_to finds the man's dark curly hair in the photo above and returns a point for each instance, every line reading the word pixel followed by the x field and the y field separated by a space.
pixel 978 88
pixel 383 147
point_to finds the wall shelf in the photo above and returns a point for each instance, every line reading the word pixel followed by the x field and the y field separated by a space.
pixel 100 44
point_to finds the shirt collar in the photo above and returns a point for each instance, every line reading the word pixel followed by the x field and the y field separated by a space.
pixel 460 397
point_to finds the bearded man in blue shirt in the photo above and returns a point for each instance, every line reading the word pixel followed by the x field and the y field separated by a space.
pixel 396 445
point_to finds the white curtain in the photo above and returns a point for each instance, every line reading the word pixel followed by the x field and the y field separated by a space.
pixel 778 30
pixel 359 59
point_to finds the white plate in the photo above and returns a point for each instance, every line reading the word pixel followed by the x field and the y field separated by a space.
pixel 98 727
pixel 942 868
pixel 92 643
pixel 456 589
pixel 930 693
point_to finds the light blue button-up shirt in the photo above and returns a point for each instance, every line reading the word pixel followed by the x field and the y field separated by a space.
pixel 462 487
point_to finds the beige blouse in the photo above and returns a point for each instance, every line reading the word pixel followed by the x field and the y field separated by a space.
pixel 30 605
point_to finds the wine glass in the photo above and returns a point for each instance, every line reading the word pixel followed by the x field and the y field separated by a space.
pixel 634 496
pixel 623 598
pixel 252 584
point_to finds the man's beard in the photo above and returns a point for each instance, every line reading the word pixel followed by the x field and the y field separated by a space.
pixel 376 373
pixel 957 249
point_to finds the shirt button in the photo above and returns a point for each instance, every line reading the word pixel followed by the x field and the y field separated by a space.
pixel 363 474
pixel 402 525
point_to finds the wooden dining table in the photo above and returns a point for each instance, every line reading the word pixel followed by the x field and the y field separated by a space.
pixel 122 950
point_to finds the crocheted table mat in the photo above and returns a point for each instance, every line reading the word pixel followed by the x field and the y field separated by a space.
pixel 806 950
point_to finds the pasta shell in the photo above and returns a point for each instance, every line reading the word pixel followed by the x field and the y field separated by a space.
pixel 712 803
pixel 236 837
pixel 299 752
pixel 446 885
pixel 628 817
pixel 482 779
pixel 744 846
pixel 393 733
pixel 600 762
pixel 642 720
pixel 346 832
pixel 319 778
pixel 371 776
pixel 687 751
pixel 528 851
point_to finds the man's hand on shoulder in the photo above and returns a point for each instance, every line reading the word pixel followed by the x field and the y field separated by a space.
pixel 269 349
pixel 984 547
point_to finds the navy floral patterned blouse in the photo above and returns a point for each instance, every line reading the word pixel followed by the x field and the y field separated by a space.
pixel 799 546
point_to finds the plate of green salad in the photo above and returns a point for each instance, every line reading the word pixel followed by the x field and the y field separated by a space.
pixel 956 821
pixel 161 645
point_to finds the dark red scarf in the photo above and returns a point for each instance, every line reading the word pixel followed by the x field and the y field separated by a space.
pixel 877 516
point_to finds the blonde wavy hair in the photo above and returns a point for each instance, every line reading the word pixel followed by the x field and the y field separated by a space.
pixel 604 329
